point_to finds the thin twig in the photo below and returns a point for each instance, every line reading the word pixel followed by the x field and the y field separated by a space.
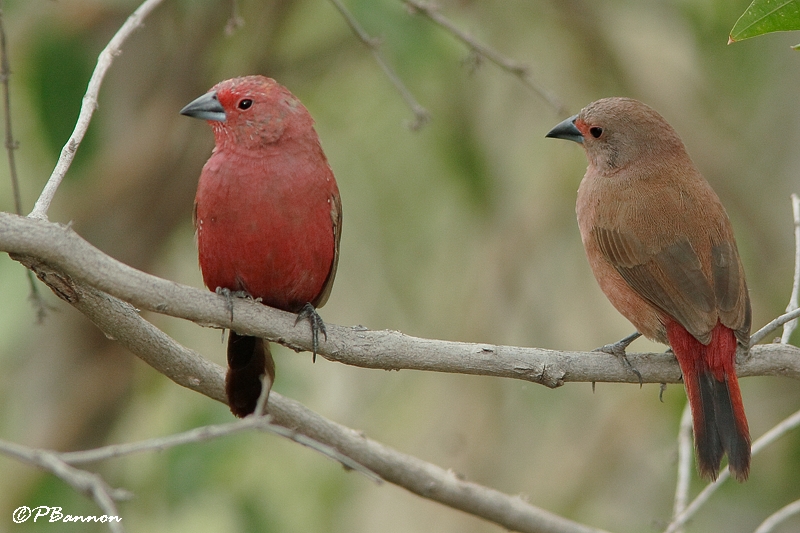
pixel 421 115
pixel 11 147
pixel 759 335
pixel 88 105
pixel 261 423
pixel 11 144
pixel 779 516
pixel 263 396
pixel 511 66
pixel 786 425
pixel 790 326
pixel 82 481
pixel 766 439
pixel 684 463
pixel 235 21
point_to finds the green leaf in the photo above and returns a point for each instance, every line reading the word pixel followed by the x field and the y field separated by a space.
pixel 766 16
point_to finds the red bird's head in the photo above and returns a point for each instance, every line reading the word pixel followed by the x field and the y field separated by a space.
pixel 250 113
pixel 616 132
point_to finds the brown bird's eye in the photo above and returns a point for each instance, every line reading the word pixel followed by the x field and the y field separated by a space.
pixel 596 132
pixel 245 104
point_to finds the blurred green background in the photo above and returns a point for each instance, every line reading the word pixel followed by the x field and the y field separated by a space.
pixel 464 230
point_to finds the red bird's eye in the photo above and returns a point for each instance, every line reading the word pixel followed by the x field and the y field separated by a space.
pixel 245 104
pixel 596 132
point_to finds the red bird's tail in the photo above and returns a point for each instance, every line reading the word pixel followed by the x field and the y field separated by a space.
pixel 249 358
pixel 709 374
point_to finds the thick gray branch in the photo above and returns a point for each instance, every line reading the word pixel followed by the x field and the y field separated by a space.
pixel 70 256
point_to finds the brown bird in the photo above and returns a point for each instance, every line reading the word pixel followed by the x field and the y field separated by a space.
pixel 662 249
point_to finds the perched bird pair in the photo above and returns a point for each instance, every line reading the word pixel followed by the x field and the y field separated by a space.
pixel 268 218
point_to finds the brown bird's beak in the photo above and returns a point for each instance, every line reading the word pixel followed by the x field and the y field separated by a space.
pixel 566 130
pixel 207 107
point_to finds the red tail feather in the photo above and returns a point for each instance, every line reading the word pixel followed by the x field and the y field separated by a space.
pixel 709 374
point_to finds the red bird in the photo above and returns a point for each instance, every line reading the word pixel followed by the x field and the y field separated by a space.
pixel 662 249
pixel 267 213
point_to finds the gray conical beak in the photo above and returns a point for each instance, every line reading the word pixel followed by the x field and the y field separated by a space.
pixel 207 107
pixel 566 130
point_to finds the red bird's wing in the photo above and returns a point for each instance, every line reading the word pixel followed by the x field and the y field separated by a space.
pixel 336 220
pixel 673 280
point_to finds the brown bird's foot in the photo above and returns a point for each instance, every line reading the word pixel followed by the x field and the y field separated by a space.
pixel 662 388
pixel 317 325
pixel 618 348
pixel 229 295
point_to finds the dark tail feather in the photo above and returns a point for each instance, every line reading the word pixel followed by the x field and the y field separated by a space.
pixel 709 374
pixel 732 425
pixel 249 358
pixel 707 441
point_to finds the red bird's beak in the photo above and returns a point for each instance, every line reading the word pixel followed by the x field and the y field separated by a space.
pixel 564 130
pixel 207 107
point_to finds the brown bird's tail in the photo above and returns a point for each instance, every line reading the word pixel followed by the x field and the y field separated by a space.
pixel 249 358
pixel 709 374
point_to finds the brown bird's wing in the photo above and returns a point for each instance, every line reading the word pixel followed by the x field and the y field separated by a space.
pixel 672 279
pixel 336 220
pixel 730 289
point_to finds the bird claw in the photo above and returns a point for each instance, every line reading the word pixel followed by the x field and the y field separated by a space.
pixel 229 295
pixel 618 348
pixel 317 325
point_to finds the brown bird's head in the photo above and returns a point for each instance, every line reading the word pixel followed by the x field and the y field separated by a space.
pixel 250 112
pixel 616 132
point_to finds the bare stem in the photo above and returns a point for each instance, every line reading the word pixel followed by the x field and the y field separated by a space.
pixel 421 115
pixel 684 463
pixel 766 439
pixel 11 147
pixel 201 434
pixel 88 105
pixel 235 21
pixel 511 66
pixel 790 326
pixel 759 335
pixel 11 144
pixel 782 514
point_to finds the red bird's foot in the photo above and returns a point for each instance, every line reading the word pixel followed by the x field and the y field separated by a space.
pixel 618 348
pixel 229 295
pixel 317 325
